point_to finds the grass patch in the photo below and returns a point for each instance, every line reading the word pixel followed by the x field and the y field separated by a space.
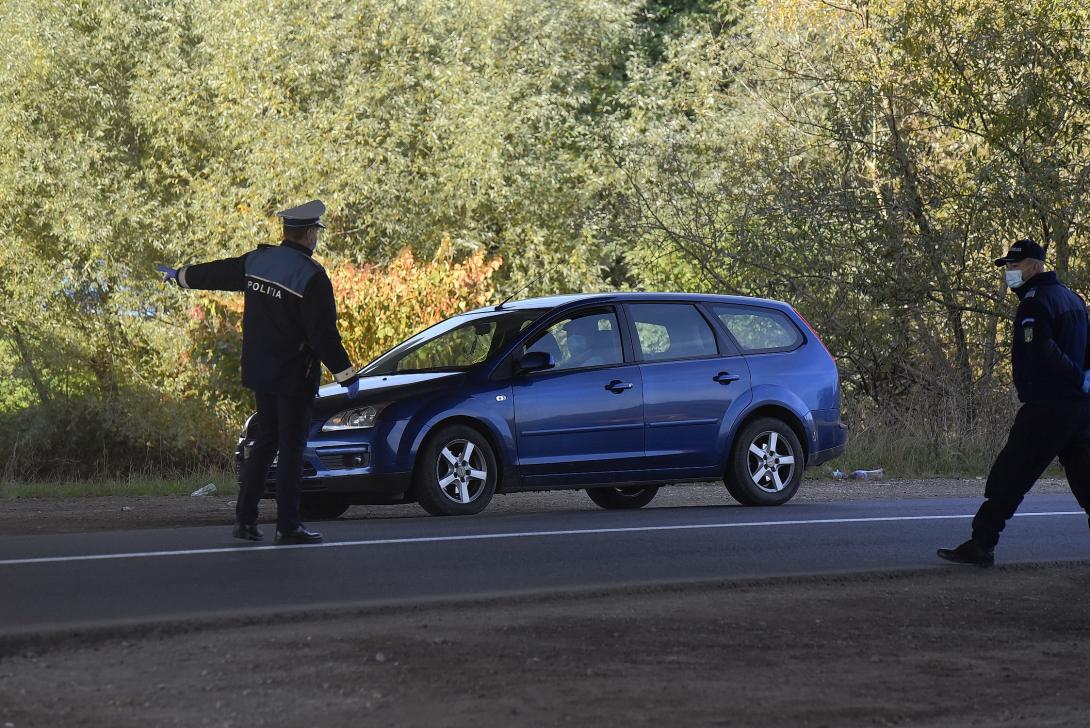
pixel 143 483
pixel 926 437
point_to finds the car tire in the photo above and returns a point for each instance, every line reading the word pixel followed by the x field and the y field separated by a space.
pixel 447 481
pixel 322 507
pixel 622 498
pixel 766 463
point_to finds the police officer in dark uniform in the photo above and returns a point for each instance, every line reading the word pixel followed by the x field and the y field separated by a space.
pixel 1049 358
pixel 289 325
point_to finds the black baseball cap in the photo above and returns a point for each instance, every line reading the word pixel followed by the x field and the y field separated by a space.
pixel 1021 250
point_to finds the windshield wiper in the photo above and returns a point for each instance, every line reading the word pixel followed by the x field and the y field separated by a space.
pixel 428 369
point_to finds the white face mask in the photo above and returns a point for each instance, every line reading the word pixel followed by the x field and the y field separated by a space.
pixel 1014 278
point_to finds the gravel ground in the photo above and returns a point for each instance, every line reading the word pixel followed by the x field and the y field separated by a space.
pixel 947 647
pixel 57 515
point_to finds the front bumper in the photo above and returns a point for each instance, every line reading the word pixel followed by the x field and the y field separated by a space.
pixel 342 469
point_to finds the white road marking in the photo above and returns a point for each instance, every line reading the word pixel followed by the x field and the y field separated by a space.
pixel 493 536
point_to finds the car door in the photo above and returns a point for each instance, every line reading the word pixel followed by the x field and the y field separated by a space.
pixel 694 382
pixel 582 420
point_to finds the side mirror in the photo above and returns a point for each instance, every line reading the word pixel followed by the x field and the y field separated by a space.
pixel 535 361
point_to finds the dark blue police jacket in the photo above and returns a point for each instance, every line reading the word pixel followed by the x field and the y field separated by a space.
pixel 289 322
pixel 1049 353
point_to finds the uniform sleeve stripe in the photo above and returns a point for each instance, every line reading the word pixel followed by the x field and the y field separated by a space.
pixel 346 374
pixel 274 283
pixel 181 277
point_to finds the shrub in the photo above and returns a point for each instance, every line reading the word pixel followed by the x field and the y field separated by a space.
pixel 137 431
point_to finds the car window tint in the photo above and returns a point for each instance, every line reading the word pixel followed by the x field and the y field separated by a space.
pixel 672 331
pixel 758 329
pixel 586 340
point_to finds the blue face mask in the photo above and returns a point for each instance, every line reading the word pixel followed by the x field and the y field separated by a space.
pixel 1014 278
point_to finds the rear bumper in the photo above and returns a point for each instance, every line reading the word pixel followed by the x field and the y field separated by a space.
pixel 834 448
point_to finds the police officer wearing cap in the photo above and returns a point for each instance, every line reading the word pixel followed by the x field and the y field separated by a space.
pixel 1049 359
pixel 289 327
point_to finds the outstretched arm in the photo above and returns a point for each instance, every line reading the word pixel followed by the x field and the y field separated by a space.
pixel 228 274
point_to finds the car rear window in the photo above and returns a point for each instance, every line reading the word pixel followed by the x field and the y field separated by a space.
pixel 759 329
pixel 672 331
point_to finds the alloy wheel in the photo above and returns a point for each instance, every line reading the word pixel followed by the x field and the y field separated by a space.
pixel 461 471
pixel 771 461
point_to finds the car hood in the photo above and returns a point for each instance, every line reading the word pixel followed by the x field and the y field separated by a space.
pixel 385 387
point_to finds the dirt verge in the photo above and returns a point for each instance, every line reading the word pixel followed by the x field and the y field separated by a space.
pixel 951 647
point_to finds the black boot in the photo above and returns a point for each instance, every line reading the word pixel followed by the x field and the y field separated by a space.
pixel 969 552
pixel 299 534
pixel 247 532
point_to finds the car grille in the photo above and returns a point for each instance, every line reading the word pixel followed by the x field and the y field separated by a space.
pixel 335 458
pixel 341 459
pixel 308 471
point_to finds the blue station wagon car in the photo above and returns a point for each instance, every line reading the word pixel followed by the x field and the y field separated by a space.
pixel 616 393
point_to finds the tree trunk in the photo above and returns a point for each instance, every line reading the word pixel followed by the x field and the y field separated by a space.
pixel 32 371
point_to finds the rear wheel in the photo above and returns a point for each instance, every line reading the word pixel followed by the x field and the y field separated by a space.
pixel 322 507
pixel 622 498
pixel 456 473
pixel 766 463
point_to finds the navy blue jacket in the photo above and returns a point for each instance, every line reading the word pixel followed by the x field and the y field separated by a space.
pixel 289 320
pixel 1049 348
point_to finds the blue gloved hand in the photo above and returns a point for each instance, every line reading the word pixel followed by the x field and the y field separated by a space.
pixel 353 387
pixel 170 275
pixel 1086 382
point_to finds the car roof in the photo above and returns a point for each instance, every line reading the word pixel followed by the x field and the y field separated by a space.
pixel 551 302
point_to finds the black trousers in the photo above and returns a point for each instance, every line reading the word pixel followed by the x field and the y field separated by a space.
pixel 282 424
pixel 1041 432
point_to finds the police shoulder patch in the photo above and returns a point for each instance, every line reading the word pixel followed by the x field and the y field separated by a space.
pixel 1027 334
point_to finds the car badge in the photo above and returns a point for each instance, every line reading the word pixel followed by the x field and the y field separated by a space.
pixel 501 397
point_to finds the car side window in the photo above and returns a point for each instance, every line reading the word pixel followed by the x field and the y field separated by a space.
pixel 671 331
pixel 585 340
pixel 759 329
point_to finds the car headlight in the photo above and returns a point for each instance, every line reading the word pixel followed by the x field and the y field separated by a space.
pixel 357 418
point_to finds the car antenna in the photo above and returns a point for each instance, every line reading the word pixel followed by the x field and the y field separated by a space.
pixel 551 268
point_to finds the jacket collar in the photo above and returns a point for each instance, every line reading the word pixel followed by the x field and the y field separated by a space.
pixel 296 246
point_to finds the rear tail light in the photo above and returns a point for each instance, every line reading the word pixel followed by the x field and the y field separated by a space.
pixel 815 334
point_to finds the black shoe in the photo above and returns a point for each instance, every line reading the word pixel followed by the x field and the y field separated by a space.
pixel 298 535
pixel 247 532
pixel 969 552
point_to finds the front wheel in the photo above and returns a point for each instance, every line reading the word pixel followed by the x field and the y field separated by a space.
pixel 766 463
pixel 622 498
pixel 456 473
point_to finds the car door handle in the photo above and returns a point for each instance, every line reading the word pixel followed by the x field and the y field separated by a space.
pixel 618 386
pixel 725 378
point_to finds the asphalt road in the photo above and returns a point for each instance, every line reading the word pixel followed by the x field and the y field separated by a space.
pixel 73 581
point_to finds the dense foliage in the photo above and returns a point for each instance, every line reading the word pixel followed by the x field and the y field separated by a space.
pixel 862 160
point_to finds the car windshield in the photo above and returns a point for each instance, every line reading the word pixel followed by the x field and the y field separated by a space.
pixel 455 344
